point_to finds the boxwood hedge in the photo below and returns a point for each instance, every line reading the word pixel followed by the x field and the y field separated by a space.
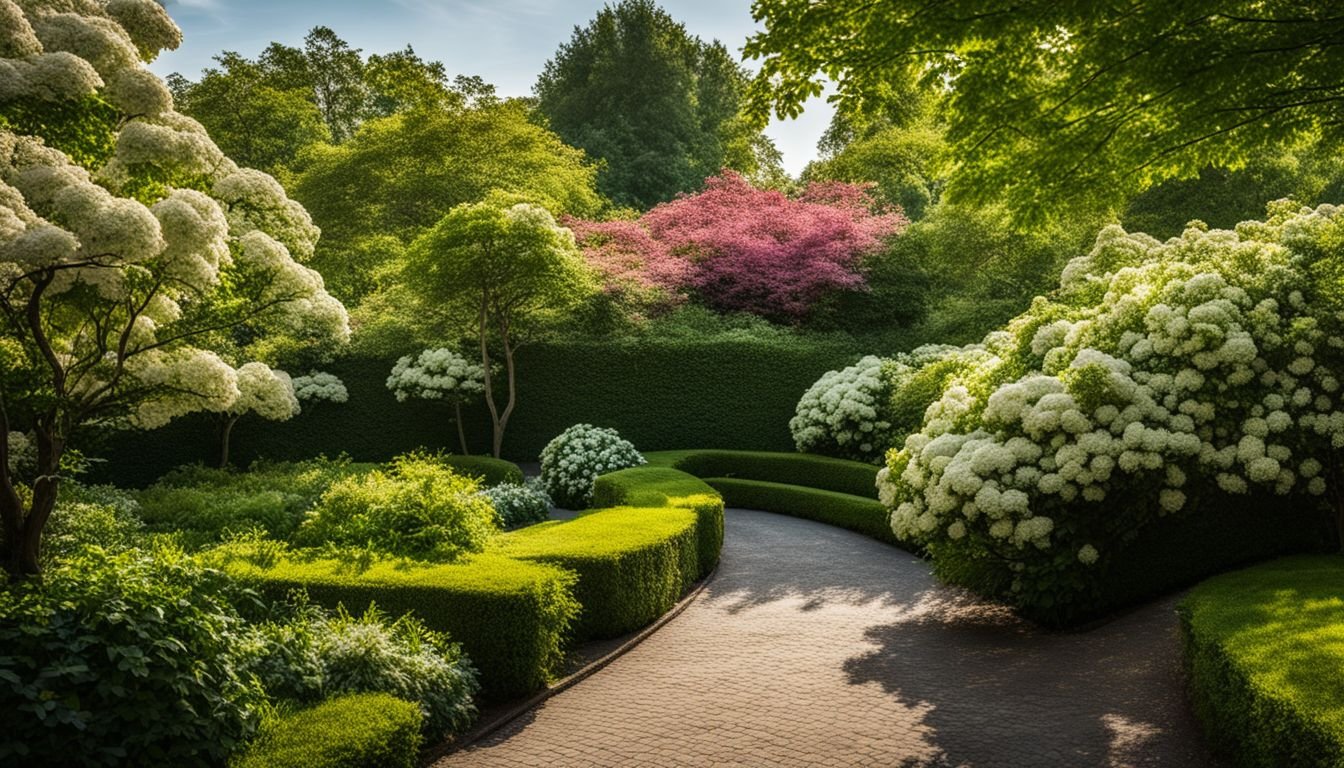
pixel 802 469
pixel 362 730
pixel 855 513
pixel 1263 648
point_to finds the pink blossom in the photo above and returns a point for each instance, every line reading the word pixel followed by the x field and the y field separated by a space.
pixel 635 267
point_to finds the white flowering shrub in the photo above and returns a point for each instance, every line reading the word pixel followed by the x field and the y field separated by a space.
pixel 843 414
pixel 1160 377
pixel 319 386
pixel 134 256
pixel 439 374
pixel 573 460
pixel 519 505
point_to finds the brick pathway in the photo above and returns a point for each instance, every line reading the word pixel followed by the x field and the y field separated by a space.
pixel 814 646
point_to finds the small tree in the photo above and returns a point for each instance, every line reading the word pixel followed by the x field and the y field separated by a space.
pixel 505 270
pixel 261 390
pixel 439 374
pixel 133 253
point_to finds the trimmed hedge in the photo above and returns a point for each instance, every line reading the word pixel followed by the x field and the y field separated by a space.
pixel 665 487
pixel 489 470
pixel 363 730
pixel 632 563
pixel 1264 648
pixel 511 617
pixel 804 469
pixel 855 513
pixel 658 393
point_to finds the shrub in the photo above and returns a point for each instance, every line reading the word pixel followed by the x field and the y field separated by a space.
pixel 1160 379
pixel 571 462
pixel 665 487
pixel 85 515
pixel 315 655
pixel 822 472
pixel 362 730
pixel 490 471
pixel 420 508
pixel 632 563
pixel 511 617
pixel 519 505
pixel 843 413
pixel 125 658
pixel 1263 648
pixel 855 513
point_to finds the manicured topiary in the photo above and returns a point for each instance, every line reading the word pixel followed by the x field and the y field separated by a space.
pixel 571 462
pixel 362 730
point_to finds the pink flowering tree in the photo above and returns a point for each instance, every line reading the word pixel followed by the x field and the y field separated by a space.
pixel 760 251
pixel 640 273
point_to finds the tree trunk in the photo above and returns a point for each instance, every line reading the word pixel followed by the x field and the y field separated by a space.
pixel 225 433
pixel 461 433
pixel 23 528
pixel 497 428
pixel 513 387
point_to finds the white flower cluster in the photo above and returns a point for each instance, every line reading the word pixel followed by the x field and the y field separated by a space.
pixel 319 386
pixel 519 505
pixel 573 460
pixel 1207 361
pixel 264 391
pixel 437 374
pixel 842 413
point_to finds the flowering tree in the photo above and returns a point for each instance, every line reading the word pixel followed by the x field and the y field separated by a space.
pixel 505 269
pixel 1159 377
pixel 640 272
pixel 759 251
pixel 261 390
pixel 439 374
pixel 319 386
pixel 134 256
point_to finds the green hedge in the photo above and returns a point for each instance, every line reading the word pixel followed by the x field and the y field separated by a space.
pixel 633 563
pixel 804 469
pixel 665 487
pixel 660 394
pixel 855 513
pixel 1264 648
pixel 511 617
pixel 490 471
pixel 364 730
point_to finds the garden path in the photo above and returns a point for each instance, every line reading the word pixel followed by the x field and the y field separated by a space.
pixel 816 646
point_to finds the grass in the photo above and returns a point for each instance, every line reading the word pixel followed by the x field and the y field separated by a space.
pixel 1265 649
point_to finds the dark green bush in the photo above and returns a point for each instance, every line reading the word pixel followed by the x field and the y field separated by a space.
pixel 122 659
pixel 633 563
pixel 666 487
pixel 511 617
pixel 821 472
pixel 84 515
pixel 855 513
pixel 489 470
pixel 362 730
pixel 1263 649
pixel 419 508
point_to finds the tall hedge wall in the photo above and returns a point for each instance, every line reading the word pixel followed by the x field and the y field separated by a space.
pixel 660 394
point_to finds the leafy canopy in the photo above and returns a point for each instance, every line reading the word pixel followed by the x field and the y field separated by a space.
pixel 1071 102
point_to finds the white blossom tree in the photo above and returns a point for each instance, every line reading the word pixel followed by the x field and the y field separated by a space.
pixel 262 390
pixel 439 374
pixel 134 256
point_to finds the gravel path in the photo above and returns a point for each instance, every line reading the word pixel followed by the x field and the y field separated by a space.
pixel 814 646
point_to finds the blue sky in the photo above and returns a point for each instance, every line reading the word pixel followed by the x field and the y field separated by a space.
pixel 506 42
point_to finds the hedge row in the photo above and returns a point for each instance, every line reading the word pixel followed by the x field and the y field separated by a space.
pixel 843 510
pixel 801 469
pixel 515 607
pixel 651 486
pixel 659 394
pixel 365 730
pixel 1264 648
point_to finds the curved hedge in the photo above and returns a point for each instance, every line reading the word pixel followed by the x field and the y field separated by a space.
pixel 649 486
pixel 843 510
pixel 808 470
pixel 1264 648
pixel 362 730
pixel 516 607
pixel 489 470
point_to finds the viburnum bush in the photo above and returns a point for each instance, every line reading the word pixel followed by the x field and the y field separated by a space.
pixel 1160 379
pixel 519 505
pixel 573 460
pixel 843 413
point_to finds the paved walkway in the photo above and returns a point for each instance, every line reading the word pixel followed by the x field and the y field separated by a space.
pixel 814 646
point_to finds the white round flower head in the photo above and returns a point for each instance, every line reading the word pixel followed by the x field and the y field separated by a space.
pixel 147 24
pixel 320 386
pixel 841 414
pixel 183 381
pixel 57 76
pixel 573 460
pixel 99 41
pixel 437 374
pixel 138 92
pixel 1088 554
pixel 16 34
pixel 267 392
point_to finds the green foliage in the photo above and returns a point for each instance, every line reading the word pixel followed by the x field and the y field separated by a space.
pixel 370 203
pixel 1041 105
pixel 855 513
pixel 209 504
pixel 362 730
pixel 665 487
pixel 657 105
pixel 314 655
pixel 821 472
pixel 632 563
pixel 519 505
pixel 1263 648
pixel 85 130
pixel 122 658
pixel 489 471
pixel 418 508
pixel 511 617
pixel 85 515
pixel 904 162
